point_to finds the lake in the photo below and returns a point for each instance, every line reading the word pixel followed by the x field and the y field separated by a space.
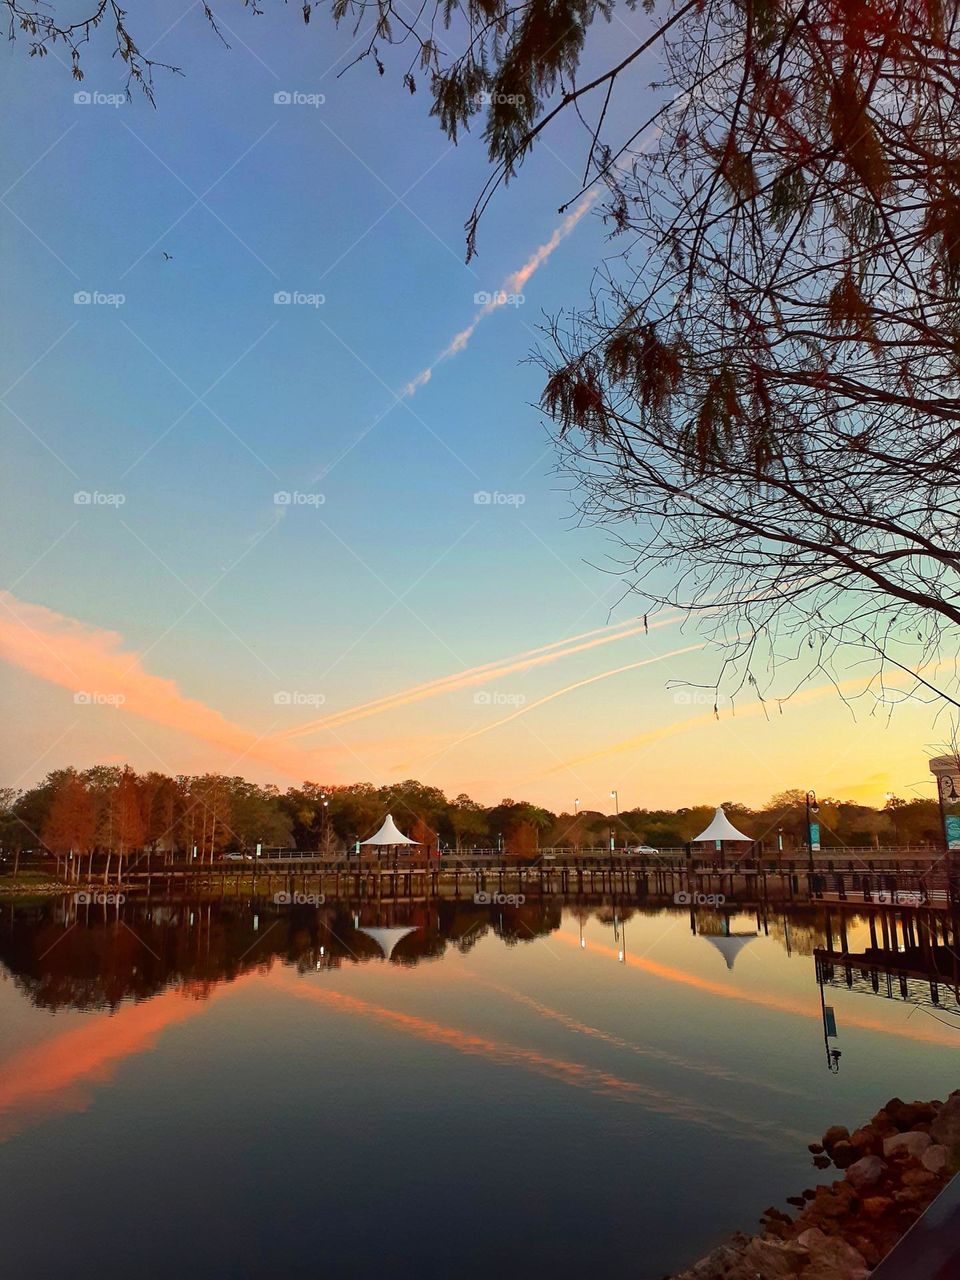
pixel 236 1088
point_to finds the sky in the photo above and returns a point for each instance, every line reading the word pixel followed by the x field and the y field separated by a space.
pixel 281 504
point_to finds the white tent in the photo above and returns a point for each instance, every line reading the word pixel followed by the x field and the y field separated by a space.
pixel 721 828
pixel 387 939
pixel 389 833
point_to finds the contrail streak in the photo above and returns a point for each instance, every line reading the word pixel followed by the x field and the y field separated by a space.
pixel 476 675
pixel 513 285
pixel 558 693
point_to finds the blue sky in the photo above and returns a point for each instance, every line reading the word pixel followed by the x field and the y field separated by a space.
pixel 199 398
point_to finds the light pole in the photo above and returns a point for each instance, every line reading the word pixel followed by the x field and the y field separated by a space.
pixel 812 808
pixel 616 807
pixel 576 806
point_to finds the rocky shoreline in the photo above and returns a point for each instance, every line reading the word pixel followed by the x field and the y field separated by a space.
pixel 893 1167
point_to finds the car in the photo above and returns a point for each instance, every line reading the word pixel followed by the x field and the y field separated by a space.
pixel 642 849
pixel 238 857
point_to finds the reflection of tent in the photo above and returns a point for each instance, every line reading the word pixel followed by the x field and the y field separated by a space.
pixel 387 939
pixel 721 828
pixel 389 833
pixel 729 944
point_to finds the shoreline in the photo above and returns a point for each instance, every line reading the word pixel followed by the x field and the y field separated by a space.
pixel 893 1168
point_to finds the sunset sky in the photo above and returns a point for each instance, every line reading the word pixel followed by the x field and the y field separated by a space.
pixel 382 623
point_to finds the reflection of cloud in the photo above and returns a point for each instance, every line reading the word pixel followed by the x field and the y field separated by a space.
pixel 60 1074
pixel 577 1075
pixel 643 1051
pixel 513 284
pixel 487 671
pixel 782 1004
pixel 79 657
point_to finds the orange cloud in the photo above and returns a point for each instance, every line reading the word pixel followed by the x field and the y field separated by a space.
pixel 92 661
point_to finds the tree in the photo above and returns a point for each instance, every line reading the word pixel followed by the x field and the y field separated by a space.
pixel 127 821
pixel 70 827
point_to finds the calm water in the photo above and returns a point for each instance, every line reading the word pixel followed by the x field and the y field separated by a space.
pixel 246 1090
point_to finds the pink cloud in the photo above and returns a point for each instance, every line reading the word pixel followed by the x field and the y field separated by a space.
pixel 92 661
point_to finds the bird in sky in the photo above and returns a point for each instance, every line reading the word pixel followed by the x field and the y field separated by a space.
pixel 167 256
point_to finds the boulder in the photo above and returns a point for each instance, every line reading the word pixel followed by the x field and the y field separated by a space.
pixel 836 1133
pixel 919 1178
pixel 834 1259
pixel 822 1162
pixel 876 1206
pixel 843 1155
pixel 945 1128
pixel 866 1172
pixel 866 1141
pixel 911 1144
pixel 935 1158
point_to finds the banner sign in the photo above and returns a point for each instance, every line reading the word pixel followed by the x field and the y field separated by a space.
pixel 815 836
pixel 951 824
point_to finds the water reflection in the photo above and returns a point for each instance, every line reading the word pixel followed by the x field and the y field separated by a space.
pixel 679 1040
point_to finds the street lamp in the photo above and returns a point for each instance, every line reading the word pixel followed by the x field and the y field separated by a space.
pixel 812 808
pixel 616 806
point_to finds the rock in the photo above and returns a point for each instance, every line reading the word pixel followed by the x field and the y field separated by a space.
pixel 876 1206
pixel 834 1259
pixel 911 1144
pixel 822 1162
pixel 836 1133
pixel 772 1259
pixel 935 1158
pixel 811 1237
pixel 866 1172
pixel 809 1194
pixel 919 1178
pixel 945 1128
pixel 865 1142
pixel 815 1148
pixel 843 1155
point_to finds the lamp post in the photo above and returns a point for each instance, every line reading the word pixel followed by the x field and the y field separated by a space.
pixel 812 808
pixel 616 808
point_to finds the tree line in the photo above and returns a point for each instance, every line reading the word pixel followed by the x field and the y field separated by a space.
pixel 115 813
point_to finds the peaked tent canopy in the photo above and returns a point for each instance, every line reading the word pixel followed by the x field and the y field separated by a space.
pixel 389 833
pixel 721 828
